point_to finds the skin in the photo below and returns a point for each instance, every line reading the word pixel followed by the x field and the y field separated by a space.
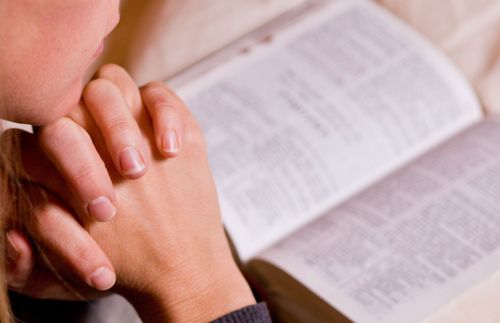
pixel 42 67
pixel 191 276
pixel 47 46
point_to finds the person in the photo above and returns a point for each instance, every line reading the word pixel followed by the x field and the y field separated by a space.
pixel 113 190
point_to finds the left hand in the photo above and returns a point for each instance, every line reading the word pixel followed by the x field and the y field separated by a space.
pixel 168 245
pixel 113 100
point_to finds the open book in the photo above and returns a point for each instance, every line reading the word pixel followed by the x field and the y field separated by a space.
pixel 352 156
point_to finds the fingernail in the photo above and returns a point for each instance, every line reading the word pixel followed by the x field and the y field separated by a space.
pixel 102 209
pixel 102 279
pixel 170 142
pixel 13 253
pixel 131 162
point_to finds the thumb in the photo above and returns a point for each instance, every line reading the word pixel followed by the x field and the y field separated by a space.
pixel 22 275
pixel 20 260
pixel 31 278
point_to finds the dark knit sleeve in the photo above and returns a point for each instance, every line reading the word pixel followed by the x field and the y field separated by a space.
pixel 250 314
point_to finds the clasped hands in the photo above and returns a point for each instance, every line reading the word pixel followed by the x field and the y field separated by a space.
pixel 121 191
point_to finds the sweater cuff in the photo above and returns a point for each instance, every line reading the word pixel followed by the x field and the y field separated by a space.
pixel 250 314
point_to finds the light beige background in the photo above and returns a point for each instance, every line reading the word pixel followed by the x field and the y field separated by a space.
pixel 158 38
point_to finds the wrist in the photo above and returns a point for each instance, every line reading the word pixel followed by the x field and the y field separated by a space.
pixel 194 296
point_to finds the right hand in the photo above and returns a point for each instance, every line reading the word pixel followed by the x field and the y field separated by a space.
pixel 111 98
pixel 167 245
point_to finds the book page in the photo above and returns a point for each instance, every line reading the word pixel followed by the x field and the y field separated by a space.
pixel 322 110
pixel 413 242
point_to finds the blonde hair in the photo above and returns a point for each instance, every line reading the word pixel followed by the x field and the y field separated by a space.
pixel 10 195
pixel 5 208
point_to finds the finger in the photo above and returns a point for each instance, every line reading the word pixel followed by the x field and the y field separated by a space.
pixel 19 259
pixel 43 284
pixel 124 82
pixel 166 112
pixel 82 117
pixel 59 234
pixel 40 169
pixel 119 128
pixel 27 276
pixel 72 152
pixel 32 164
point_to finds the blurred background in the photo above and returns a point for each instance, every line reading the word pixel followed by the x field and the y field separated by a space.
pixel 159 38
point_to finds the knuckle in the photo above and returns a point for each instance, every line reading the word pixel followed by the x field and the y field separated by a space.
pixel 119 124
pixel 111 70
pixel 123 81
pixel 46 226
pixel 56 134
pixel 194 138
pixel 83 173
pixel 98 89
pixel 84 253
pixel 156 94
pixel 153 87
pixel 45 218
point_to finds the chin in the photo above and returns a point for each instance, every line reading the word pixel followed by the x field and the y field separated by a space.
pixel 46 113
pixel 62 106
pixel 44 105
pixel 37 119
